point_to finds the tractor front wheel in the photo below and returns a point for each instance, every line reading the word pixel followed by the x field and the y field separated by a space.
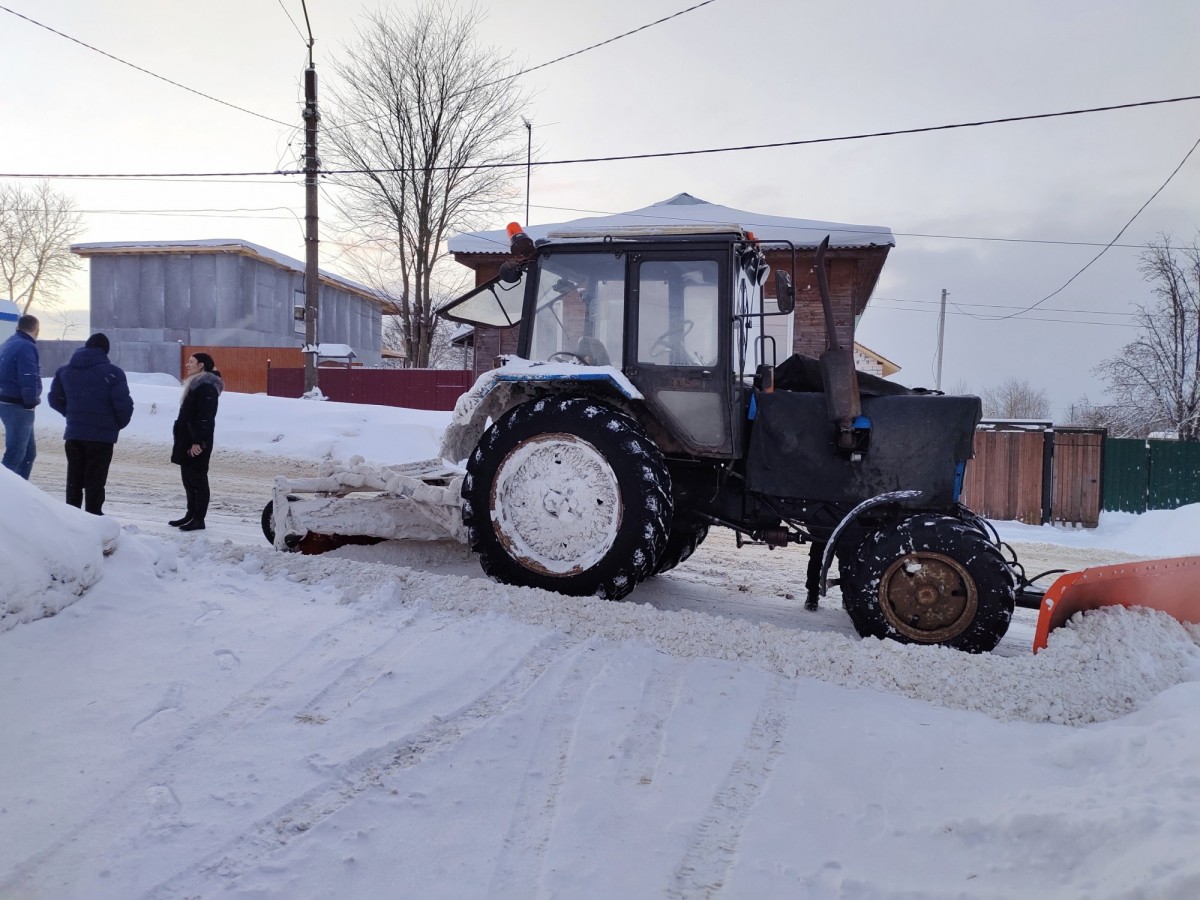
pixel 570 495
pixel 930 580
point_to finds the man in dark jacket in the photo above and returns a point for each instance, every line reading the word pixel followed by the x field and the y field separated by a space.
pixel 94 396
pixel 20 392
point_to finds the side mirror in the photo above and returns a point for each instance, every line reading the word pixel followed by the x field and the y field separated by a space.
pixel 785 291
pixel 510 272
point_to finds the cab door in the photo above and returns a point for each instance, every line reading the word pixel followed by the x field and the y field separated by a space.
pixel 679 345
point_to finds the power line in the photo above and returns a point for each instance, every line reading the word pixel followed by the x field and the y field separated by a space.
pixel 960 305
pixel 779 144
pixel 1024 319
pixel 1124 227
pixel 547 63
pixel 624 157
pixel 293 21
pixel 602 43
pixel 601 212
pixel 187 214
pixel 140 69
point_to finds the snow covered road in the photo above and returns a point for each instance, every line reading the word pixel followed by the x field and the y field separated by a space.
pixel 212 718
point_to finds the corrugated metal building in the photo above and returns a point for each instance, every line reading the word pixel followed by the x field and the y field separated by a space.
pixel 152 297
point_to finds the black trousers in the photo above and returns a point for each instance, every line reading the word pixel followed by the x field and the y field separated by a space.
pixel 87 473
pixel 194 474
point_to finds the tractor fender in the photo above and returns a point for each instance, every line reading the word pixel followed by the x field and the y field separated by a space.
pixel 831 545
pixel 499 390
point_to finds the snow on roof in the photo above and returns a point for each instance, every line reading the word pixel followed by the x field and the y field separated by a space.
pixel 330 351
pixel 223 245
pixel 684 209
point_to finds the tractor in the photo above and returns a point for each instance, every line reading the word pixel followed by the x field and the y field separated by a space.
pixel 646 405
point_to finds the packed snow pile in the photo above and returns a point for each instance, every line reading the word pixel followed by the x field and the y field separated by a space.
pixel 1100 666
pixel 50 553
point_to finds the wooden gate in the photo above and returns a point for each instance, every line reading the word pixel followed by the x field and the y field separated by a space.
pixel 1036 475
pixel 1004 480
pixel 1078 464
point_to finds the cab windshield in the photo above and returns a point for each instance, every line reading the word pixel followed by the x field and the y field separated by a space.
pixel 579 315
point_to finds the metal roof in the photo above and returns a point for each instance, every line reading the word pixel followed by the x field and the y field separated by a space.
pixel 224 245
pixel 686 210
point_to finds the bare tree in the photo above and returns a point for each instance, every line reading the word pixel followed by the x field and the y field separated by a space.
pixel 428 122
pixel 1154 380
pixel 1015 400
pixel 37 225
pixel 1083 413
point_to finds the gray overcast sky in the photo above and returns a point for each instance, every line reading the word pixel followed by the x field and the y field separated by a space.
pixel 729 73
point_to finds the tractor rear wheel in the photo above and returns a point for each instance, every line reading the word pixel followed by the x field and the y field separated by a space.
pixel 569 495
pixel 684 538
pixel 930 580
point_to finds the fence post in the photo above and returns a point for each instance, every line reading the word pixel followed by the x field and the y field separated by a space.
pixel 1047 475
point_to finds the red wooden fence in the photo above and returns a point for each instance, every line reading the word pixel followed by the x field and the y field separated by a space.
pixel 244 369
pixel 411 388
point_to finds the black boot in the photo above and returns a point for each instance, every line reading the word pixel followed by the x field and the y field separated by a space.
pixel 175 523
pixel 192 525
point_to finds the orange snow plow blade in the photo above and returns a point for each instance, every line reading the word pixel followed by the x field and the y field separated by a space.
pixel 1168 585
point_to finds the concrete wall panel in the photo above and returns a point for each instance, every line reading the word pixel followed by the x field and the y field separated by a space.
pixel 177 288
pixel 151 280
pixel 202 311
pixel 103 314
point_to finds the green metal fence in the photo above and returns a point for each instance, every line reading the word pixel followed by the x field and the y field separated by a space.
pixel 1141 475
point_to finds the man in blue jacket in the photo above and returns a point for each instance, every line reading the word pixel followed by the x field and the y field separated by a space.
pixel 94 396
pixel 20 392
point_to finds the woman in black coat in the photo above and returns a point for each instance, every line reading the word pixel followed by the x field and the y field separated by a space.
pixel 193 436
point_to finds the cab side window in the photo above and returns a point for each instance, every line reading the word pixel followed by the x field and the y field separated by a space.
pixel 677 312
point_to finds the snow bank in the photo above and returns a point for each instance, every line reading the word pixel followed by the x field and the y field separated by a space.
pixel 50 553
pixel 1160 532
pixel 281 426
pixel 1098 667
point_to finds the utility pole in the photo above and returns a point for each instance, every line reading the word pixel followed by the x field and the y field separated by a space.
pixel 941 337
pixel 311 165
pixel 528 163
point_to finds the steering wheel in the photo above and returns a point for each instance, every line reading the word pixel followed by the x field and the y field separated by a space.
pixel 566 356
pixel 671 340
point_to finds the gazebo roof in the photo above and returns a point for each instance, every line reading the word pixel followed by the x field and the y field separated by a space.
pixel 684 209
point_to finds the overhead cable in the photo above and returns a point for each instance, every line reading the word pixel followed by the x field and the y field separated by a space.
pixel 140 69
pixel 551 62
pixel 621 158
pixel 1107 246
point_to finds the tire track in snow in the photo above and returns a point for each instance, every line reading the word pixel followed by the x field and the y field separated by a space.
pixel 245 851
pixel 128 802
pixel 712 847
pixel 363 672
pixel 522 859
pixel 642 749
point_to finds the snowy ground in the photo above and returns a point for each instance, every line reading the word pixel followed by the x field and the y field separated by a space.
pixel 199 716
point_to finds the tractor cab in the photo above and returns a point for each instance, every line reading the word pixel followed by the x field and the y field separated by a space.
pixel 677 310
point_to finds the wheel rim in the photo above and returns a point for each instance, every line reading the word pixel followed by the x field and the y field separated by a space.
pixel 928 597
pixel 556 504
